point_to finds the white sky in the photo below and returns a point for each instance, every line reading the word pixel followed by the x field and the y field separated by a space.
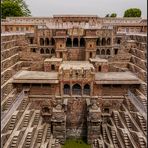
pixel 90 7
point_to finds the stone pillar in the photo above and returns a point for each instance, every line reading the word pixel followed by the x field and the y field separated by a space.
pixel 93 123
pixel 61 89
pixel 91 89
pixel 59 123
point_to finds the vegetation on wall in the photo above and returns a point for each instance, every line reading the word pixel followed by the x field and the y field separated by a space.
pixel 10 8
pixel 75 144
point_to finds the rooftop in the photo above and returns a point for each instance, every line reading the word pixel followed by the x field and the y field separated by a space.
pixel 53 60
pixel 12 33
pixel 35 77
pixel 116 78
pixel 76 65
pixel 98 60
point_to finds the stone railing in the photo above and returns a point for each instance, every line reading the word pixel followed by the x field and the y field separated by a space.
pixel 138 104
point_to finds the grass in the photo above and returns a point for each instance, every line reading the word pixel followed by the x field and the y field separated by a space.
pixel 75 144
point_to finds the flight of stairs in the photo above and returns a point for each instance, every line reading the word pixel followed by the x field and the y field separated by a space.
pixel 128 122
pixel 12 122
pixel 126 140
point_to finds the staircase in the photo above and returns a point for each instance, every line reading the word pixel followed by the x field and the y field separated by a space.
pixel 144 87
pixel 128 122
pixel 126 140
pixel 26 120
pixel 36 119
pixel 28 140
pixel 104 134
pixel 23 104
pixel 12 122
pixel 143 123
pixel 142 142
pixel 14 142
pixel 113 134
pixel 116 119
pixel 39 136
pixel 48 133
pixel 9 103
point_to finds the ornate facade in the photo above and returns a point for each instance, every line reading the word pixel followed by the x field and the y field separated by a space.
pixel 73 77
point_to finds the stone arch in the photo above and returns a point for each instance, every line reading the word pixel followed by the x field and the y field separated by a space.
pixel 52 51
pixel 115 51
pixel 75 42
pixel 82 42
pixel 99 68
pixel 52 67
pixel 47 51
pixel 90 55
pixel 86 89
pixel 52 41
pixel 76 89
pixel 42 51
pixel 45 109
pixel 118 41
pixel 66 89
pixel 46 41
pixel 103 41
pixel 102 52
pixel 61 55
pixel 68 42
pixel 108 52
pixel 41 41
pixel 98 42
pixel 98 52
pixel 108 41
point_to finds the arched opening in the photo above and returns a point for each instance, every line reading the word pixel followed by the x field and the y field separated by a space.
pixel 61 55
pixel 86 90
pixel 41 41
pixel 33 50
pixel 98 52
pixel 118 41
pixel 103 42
pixel 47 51
pixel 66 89
pixel 82 42
pixel 52 67
pixel 31 40
pixel 75 42
pixel 98 42
pixel 45 110
pixel 108 41
pixel 69 42
pixel 100 68
pixel 42 51
pixel 116 51
pixel 46 41
pixel 90 55
pixel 102 52
pixel 76 89
pixel 52 41
pixel 108 52
pixel 52 51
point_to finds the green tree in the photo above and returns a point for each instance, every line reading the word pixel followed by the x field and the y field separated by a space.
pixel 14 8
pixel 133 12
pixel 113 15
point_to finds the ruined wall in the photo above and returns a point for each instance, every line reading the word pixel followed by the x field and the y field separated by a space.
pixel 76 124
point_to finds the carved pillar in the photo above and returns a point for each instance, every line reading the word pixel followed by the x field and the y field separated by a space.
pixel 59 123
pixel 93 123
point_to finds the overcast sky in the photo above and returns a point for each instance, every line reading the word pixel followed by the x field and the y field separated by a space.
pixel 90 7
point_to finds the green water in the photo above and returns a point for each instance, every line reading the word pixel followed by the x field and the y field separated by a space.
pixel 75 144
